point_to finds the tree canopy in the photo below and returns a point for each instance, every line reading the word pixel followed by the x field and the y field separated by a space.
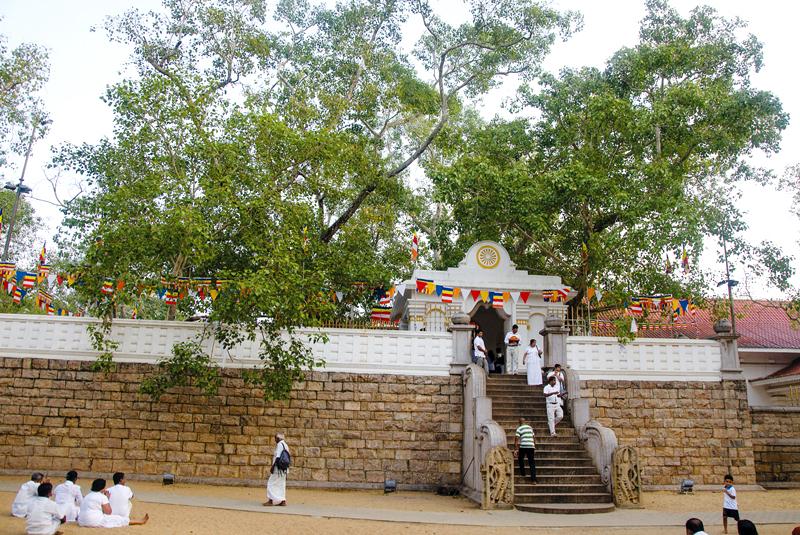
pixel 275 160
pixel 624 167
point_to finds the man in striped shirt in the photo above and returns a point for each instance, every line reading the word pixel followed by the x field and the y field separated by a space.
pixel 525 447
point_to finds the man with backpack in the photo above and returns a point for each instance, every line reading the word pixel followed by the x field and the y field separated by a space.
pixel 276 484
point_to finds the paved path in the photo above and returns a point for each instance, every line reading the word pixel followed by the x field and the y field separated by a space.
pixel 628 518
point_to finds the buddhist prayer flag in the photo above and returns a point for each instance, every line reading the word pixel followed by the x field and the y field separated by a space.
pixel 422 285
pixel 382 311
pixel 635 307
pixel 414 247
pixel 524 296
pixel 498 300
pixel 1 220
pixel 42 253
pixel 171 298
pixel 108 287
pixel 28 280
pixel 685 261
pixel 447 295
pixel 668 267
pixel 484 296
pixel 18 295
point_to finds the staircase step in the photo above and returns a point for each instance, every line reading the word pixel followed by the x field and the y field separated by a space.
pixel 525 486
pixel 566 508
pixel 562 497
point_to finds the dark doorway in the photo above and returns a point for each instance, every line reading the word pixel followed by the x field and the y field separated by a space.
pixel 493 325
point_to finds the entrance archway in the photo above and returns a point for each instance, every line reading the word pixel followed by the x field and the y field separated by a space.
pixel 493 323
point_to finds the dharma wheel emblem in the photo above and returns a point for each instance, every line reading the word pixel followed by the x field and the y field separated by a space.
pixel 488 257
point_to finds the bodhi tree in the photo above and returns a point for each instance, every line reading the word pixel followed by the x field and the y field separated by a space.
pixel 274 160
pixel 624 167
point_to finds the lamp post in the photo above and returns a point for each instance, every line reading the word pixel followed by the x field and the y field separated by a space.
pixel 20 188
pixel 731 284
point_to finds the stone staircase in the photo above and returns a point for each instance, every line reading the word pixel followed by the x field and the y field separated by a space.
pixel 568 481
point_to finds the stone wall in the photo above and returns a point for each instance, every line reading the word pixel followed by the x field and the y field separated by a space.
pixel 681 429
pixel 776 445
pixel 343 429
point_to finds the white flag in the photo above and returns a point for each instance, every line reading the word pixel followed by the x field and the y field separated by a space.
pixel 465 293
pixel 339 296
pixel 634 327
pixel 51 278
pixel 401 290
pixel 514 296
pixel 599 295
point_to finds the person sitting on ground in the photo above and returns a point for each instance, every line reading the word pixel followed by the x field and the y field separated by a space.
pixel 96 510
pixel 694 526
pixel 69 497
pixel 120 496
pixel 27 492
pixel 746 527
pixel 43 515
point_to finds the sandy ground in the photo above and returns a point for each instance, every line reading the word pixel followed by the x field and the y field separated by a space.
pixel 179 520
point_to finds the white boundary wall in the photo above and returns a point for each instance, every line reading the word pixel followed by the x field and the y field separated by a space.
pixel 347 350
pixel 644 359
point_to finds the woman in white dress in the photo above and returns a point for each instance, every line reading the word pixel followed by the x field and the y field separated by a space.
pixel 276 484
pixel 96 510
pixel 532 359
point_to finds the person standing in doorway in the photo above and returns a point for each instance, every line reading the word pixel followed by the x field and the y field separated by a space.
pixel 532 360
pixel 512 349
pixel 525 447
pixel 276 484
pixel 479 354
pixel 555 413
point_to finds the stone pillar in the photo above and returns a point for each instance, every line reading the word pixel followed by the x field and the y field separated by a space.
pixel 555 342
pixel 730 368
pixel 462 343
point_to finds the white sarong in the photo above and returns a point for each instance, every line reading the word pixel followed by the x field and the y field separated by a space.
pixel 276 486
pixel 534 365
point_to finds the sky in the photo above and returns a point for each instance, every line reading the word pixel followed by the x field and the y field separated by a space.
pixel 83 63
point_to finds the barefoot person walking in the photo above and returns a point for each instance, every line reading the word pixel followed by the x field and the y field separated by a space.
pixel 276 484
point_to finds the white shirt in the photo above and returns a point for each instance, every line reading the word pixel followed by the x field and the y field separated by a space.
pixel 727 501
pixel 91 514
pixel 42 516
pixel 27 491
pixel 559 377
pixel 478 343
pixel 68 492
pixel 550 390
pixel 512 338
pixel 532 352
pixel 120 500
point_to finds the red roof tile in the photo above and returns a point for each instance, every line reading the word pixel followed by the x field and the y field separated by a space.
pixel 760 324
pixel 791 369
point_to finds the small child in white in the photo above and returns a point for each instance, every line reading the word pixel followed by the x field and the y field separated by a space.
pixel 730 509
pixel 120 496
pixel 27 492
pixel 43 516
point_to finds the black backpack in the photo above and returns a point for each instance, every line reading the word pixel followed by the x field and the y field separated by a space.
pixel 284 460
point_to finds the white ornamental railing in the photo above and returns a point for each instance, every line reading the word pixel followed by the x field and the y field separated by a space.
pixel 347 350
pixel 644 359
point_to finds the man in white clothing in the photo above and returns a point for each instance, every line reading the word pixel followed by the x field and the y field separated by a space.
pixel 276 484
pixel 69 497
pixel 120 496
pixel 512 349
pixel 480 356
pixel 43 516
pixel 552 396
pixel 27 492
